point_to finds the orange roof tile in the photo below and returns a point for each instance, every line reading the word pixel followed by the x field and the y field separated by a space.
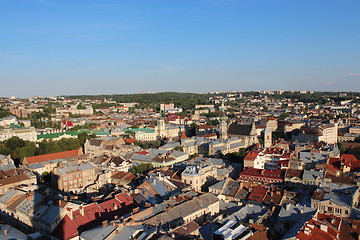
pixel 52 156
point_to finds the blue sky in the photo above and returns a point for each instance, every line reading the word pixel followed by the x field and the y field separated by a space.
pixel 62 47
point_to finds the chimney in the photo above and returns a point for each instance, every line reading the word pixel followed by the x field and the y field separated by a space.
pixel 324 227
pixel 5 232
pixel 116 217
pixel 104 223
pixel 147 205
pixel 135 210
pixel 81 210
pixel 28 197
pixel 70 213
pixel 117 231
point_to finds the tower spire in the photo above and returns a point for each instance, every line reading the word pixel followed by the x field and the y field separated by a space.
pixel 223 124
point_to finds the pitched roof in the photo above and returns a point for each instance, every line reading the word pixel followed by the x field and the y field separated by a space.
pixel 92 216
pixel 251 156
pixel 350 160
pixel 238 129
pixel 52 156
pixel 258 193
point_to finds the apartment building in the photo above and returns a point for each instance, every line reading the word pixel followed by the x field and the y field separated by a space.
pixel 73 177
pixel 26 134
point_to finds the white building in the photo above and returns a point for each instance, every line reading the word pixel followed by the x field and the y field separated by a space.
pixel 27 134
pixel 142 134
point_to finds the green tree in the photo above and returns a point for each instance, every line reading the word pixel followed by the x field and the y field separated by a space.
pixel 142 168
pixel 5 150
pixel 342 148
pixel 4 113
pixel 46 177
pixel 80 106
pixel 14 143
pixel 284 115
pixel 192 129
pixel 213 122
pixel 82 137
pixel 179 148
pixel 28 150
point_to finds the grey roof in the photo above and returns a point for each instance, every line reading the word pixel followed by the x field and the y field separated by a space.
pixel 36 166
pixel 311 157
pixel 190 170
pixel 170 145
pixel 342 197
pixel 183 209
pixel 312 175
pixel 218 185
pixel 178 154
pixel 220 148
pixel 127 232
pixel 291 212
pixel 98 233
pixel 51 214
pixel 223 171
pixel 27 206
pixel 158 186
pixel 249 210
pixel 6 163
pixel 214 161
pixel 95 142
pixel 72 168
pixel 7 195
pixel 12 233
pixel 238 129
pixel 236 145
pixel 141 157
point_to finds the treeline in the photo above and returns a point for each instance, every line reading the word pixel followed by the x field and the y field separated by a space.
pixel 186 101
pixel 4 113
pixel 19 149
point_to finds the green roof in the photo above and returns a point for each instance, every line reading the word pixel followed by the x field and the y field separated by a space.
pixel 13 125
pixel 147 130
pixel 56 135
pixel 100 133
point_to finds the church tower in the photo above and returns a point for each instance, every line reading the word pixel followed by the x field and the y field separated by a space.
pixel 267 138
pixel 161 126
pixel 223 124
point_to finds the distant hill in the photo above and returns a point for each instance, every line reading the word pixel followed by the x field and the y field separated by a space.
pixel 184 100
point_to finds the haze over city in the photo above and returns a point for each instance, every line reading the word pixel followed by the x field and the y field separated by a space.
pixel 99 47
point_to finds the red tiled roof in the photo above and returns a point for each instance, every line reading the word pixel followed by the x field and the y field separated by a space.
pixel 251 156
pixel 52 156
pixel 208 135
pixel 258 193
pixel 183 135
pixel 92 216
pixel 68 123
pixel 350 160
pixel 205 127
pixel 143 152
pixel 271 174
pixel 313 228
pixel 129 140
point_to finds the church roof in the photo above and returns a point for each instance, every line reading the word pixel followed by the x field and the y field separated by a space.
pixel 239 129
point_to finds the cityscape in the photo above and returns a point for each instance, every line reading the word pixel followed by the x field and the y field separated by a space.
pixel 179 119
pixel 219 165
